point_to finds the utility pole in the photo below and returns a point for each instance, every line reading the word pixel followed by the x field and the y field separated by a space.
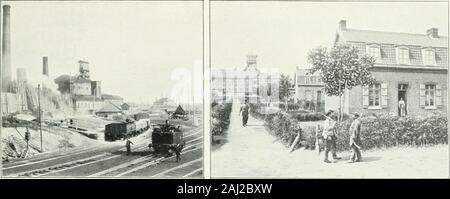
pixel 39 112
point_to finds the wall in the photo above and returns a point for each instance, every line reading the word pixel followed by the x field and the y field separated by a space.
pixel 82 88
pixel 413 78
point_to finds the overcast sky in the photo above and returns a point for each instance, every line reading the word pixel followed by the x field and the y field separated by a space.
pixel 282 33
pixel 134 48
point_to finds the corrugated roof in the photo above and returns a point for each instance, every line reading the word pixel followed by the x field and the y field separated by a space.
pixel 109 107
pixel 86 98
pixel 370 36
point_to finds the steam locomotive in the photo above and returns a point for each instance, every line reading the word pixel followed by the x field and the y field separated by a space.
pixel 167 139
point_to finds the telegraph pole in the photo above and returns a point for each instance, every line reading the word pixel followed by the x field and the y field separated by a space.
pixel 39 111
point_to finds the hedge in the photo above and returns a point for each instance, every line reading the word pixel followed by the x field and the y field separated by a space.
pixel 377 131
pixel 220 118
pixel 300 115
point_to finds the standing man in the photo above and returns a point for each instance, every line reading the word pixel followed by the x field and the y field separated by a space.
pixel 355 140
pixel 244 109
pixel 402 107
pixel 128 144
pixel 329 136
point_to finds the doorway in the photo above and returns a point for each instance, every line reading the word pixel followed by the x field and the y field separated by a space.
pixel 402 100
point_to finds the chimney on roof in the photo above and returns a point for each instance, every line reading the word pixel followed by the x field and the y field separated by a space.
pixel 342 25
pixel 433 33
pixel 45 66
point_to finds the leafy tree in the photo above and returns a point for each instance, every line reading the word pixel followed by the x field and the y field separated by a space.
pixel 285 85
pixel 341 68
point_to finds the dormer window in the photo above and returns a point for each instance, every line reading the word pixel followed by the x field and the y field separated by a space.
pixel 403 55
pixel 373 50
pixel 429 57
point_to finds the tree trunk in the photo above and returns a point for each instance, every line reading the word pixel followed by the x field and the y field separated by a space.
pixel 340 103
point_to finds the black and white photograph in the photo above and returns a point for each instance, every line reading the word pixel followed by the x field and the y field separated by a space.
pixel 329 89
pixel 102 89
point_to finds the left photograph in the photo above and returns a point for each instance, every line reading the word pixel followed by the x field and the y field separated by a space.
pixel 102 89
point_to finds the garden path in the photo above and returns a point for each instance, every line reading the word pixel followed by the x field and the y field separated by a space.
pixel 252 152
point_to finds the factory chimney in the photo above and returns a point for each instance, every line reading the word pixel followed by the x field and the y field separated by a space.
pixel 45 66
pixel 6 49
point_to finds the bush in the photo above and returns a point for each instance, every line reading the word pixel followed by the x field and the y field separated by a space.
pixel 377 131
pixel 220 118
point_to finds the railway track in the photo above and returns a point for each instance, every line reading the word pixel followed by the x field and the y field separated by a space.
pixel 48 170
pixel 152 162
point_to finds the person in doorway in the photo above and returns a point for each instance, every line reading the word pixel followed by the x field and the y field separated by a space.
pixel 329 136
pixel 355 140
pixel 402 107
pixel 128 144
pixel 244 110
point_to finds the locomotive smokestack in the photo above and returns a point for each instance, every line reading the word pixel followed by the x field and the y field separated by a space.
pixel 6 49
pixel 45 66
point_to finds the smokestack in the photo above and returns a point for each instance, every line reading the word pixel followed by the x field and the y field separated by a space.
pixel 6 49
pixel 45 66
pixel 342 25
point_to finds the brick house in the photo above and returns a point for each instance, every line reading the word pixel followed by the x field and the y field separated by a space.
pixel 412 67
pixel 309 89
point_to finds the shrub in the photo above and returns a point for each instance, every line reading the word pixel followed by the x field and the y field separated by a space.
pixel 220 118
pixel 377 131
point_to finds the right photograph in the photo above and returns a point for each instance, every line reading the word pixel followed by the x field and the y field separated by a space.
pixel 329 89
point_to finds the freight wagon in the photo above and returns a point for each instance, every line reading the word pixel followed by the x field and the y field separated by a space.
pixel 123 130
pixel 139 116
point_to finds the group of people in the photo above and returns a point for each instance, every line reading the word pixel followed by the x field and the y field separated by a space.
pixel 329 136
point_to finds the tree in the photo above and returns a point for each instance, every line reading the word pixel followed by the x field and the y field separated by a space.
pixel 285 85
pixel 341 68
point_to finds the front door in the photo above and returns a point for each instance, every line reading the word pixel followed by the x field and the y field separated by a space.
pixel 402 100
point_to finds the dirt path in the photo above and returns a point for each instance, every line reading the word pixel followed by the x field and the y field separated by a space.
pixel 252 152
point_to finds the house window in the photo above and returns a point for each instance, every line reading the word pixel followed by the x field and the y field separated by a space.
pixel 403 55
pixel 308 80
pixel 374 51
pixel 430 95
pixel 429 57
pixel 374 95
pixel 308 95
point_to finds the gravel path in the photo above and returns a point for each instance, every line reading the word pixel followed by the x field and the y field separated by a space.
pixel 252 152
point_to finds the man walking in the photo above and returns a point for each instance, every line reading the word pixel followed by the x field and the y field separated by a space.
pixel 128 144
pixel 244 109
pixel 355 140
pixel 329 136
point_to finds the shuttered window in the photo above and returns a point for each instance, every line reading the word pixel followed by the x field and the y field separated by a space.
pixel 430 95
pixel 375 95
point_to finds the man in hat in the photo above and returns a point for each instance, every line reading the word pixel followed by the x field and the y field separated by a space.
pixel 245 110
pixel 355 140
pixel 329 136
